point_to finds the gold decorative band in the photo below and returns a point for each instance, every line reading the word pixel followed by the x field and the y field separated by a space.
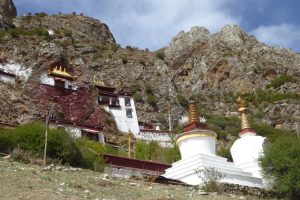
pixel 196 134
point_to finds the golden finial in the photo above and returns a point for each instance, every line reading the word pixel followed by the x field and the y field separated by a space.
pixel 98 82
pixel 60 72
pixel 193 113
pixel 242 109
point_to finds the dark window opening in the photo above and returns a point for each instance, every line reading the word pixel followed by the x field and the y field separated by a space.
pixel 127 102
pixel 59 83
pixel 90 136
pixel 129 113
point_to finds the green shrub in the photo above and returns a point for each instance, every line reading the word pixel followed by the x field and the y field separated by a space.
pixel 7 143
pixel 152 151
pixel 151 100
pixel 148 88
pixel 182 100
pixel 142 62
pixel 160 55
pixel 281 165
pixel 225 153
pixel 141 150
pixel 41 14
pixel 124 61
pixel 138 97
pixel 210 178
pixel 280 80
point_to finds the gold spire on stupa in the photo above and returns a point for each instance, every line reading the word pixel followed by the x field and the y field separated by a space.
pixel 193 113
pixel 242 109
pixel 60 71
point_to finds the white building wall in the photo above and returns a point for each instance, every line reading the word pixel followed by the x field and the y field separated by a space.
pixel 22 72
pixel 124 123
pixel 7 79
pixel 162 138
pixel 48 80
pixel 75 132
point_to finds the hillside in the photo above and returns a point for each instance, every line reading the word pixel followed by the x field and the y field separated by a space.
pixel 214 68
pixel 24 181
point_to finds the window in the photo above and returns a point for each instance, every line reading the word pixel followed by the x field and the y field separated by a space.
pixel 129 113
pixel 127 102
pixel 59 84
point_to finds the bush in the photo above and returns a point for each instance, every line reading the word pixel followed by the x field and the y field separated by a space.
pixel 182 101
pixel 124 61
pixel 280 80
pixel 281 163
pixel 151 100
pixel 210 178
pixel 152 151
pixel 160 55
pixel 138 97
pixel 7 143
pixel 41 14
pixel 142 62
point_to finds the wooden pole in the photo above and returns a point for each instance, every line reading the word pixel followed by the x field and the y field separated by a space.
pixel 46 133
pixel 129 143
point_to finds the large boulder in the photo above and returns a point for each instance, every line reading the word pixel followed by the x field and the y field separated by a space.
pixel 8 9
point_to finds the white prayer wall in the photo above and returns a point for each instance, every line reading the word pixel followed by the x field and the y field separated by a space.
pixel 161 137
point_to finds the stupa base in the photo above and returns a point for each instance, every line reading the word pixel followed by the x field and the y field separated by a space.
pixel 185 171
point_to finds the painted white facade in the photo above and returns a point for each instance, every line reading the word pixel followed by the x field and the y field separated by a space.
pixel 245 152
pixel 22 72
pixel 161 137
pixel 197 149
pixel 48 80
pixel 7 79
pixel 125 123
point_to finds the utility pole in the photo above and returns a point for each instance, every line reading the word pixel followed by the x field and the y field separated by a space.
pixel 297 130
pixel 46 132
pixel 170 122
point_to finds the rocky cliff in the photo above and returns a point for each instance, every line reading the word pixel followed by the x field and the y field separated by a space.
pixel 214 68
pixel 8 9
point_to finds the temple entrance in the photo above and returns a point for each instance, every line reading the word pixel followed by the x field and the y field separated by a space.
pixel 59 83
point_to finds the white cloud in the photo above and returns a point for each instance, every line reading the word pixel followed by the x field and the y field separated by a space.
pixel 284 35
pixel 144 23
pixel 152 24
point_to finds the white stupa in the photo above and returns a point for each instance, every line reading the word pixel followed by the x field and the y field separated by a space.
pixel 197 149
pixel 248 148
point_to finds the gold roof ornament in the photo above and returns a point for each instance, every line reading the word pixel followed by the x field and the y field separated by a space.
pixel 98 82
pixel 193 113
pixel 60 71
pixel 242 109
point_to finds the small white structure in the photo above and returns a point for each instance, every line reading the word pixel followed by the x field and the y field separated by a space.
pixel 197 149
pixel 6 77
pixel 13 68
pixel 59 77
pixel 79 130
pixel 248 148
pixel 120 105
pixel 163 138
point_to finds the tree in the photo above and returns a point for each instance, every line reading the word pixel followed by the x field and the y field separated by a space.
pixel 281 164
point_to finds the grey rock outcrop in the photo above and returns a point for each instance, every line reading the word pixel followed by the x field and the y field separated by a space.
pixel 8 9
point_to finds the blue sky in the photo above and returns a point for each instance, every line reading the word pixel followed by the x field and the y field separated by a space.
pixel 152 23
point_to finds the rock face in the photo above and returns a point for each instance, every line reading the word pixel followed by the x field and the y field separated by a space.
pixel 5 24
pixel 8 9
pixel 212 67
